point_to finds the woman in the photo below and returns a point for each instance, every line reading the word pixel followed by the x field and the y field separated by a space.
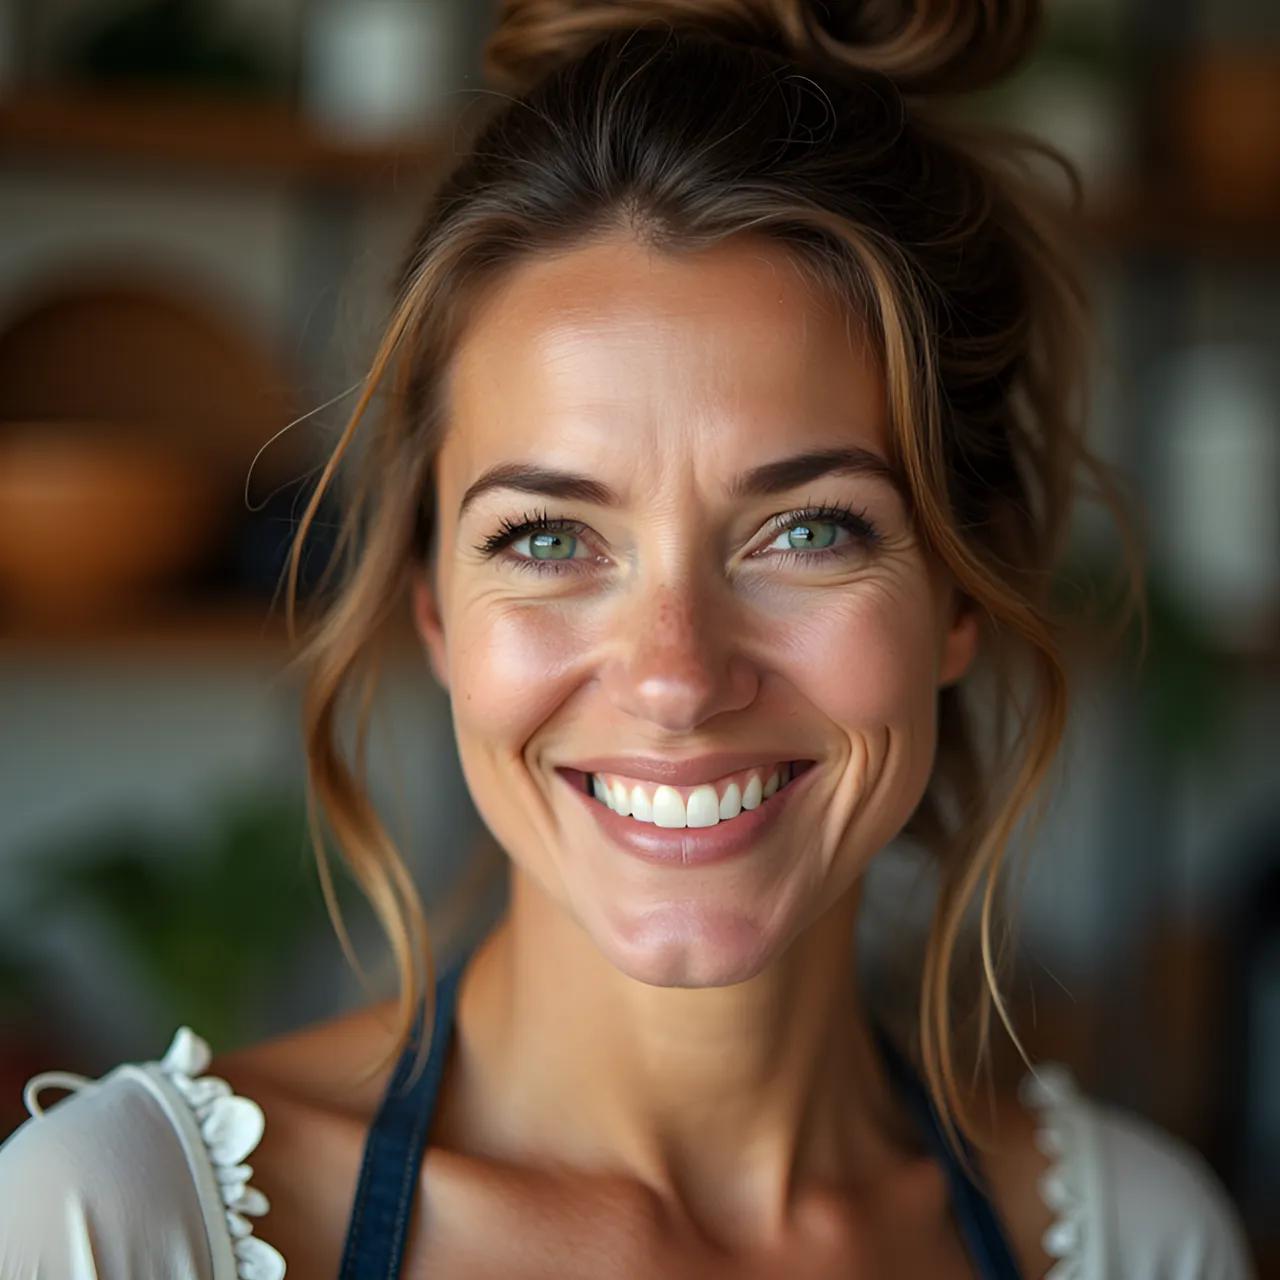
pixel 734 404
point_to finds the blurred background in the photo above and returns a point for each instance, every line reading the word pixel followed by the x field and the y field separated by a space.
pixel 202 203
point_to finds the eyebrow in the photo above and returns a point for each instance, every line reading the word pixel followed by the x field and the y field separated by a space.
pixel 768 478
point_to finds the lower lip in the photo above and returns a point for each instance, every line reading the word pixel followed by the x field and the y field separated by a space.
pixel 689 846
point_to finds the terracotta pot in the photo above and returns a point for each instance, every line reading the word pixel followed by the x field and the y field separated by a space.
pixel 92 521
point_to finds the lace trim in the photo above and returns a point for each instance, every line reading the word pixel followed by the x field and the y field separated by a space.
pixel 231 1127
pixel 1048 1088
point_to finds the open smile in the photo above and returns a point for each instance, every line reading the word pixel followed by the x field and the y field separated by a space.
pixel 689 825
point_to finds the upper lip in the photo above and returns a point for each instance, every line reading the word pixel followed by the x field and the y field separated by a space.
pixel 682 773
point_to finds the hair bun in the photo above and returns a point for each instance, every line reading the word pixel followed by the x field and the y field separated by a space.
pixel 930 46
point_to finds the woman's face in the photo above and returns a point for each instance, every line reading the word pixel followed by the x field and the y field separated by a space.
pixel 677 605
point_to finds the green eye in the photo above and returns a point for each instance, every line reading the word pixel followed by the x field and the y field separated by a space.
pixel 552 546
pixel 803 538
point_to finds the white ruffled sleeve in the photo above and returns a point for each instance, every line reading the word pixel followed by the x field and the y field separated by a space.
pixel 139 1175
pixel 1129 1199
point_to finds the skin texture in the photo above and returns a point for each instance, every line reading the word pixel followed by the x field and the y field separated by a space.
pixel 696 1029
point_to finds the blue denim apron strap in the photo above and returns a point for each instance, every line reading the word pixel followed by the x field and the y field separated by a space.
pixel 981 1229
pixel 393 1151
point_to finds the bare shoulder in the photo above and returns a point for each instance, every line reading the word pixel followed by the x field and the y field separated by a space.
pixel 327 1064
pixel 318 1097
pixel 308 1164
pixel 1014 1168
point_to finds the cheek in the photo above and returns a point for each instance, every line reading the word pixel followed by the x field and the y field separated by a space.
pixel 866 663
pixel 866 660
pixel 510 665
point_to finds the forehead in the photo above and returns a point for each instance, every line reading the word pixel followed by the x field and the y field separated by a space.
pixel 621 347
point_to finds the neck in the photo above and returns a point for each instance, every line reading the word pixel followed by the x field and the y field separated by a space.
pixel 730 1103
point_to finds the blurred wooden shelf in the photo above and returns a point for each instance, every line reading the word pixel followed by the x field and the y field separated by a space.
pixel 1180 220
pixel 243 630
pixel 202 135
pixel 253 139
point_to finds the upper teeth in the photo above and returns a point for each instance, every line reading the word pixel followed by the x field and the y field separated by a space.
pixel 702 806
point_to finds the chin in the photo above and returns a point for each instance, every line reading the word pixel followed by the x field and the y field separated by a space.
pixel 689 945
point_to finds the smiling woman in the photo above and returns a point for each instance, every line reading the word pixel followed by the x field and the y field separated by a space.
pixel 728 540
pixel 734 398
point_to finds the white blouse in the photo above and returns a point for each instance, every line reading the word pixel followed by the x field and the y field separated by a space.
pixel 140 1175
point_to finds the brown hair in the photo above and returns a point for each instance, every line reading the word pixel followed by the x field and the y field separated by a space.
pixel 822 128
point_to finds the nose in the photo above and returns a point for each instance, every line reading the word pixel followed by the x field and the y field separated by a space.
pixel 677 659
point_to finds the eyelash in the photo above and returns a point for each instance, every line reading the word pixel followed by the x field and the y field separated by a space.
pixel 857 523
